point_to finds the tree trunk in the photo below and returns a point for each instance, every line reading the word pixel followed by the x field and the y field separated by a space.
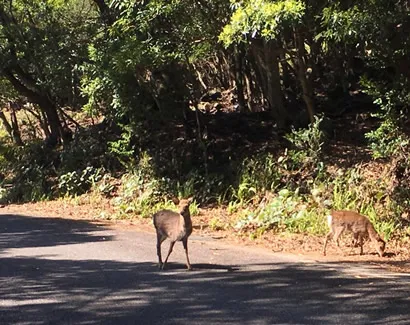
pixel 268 62
pixel 238 57
pixel 7 125
pixel 259 79
pixel 11 129
pixel 44 124
pixel 248 88
pixel 305 83
pixel 105 12
pixel 275 95
pixel 45 104
pixel 54 123
pixel 15 127
pixel 201 128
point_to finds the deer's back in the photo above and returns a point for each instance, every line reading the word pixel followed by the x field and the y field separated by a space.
pixel 349 220
pixel 172 225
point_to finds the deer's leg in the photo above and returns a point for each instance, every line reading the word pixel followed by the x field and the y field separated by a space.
pixel 380 246
pixel 185 243
pixel 160 239
pixel 336 236
pixel 355 242
pixel 328 237
pixel 171 246
pixel 360 242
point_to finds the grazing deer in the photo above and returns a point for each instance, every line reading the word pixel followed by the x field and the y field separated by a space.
pixel 177 226
pixel 359 225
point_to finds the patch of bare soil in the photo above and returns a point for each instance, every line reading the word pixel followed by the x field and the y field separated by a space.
pixel 397 257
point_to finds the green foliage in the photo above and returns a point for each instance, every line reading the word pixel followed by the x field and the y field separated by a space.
pixel 141 196
pixel 389 138
pixel 308 143
pixel 308 221
pixel 30 170
pixel 34 188
pixel 365 23
pixel 372 32
pixel 265 172
pixel 275 214
pixel 136 71
pixel 386 227
pixel 78 182
pixel 104 185
pixel 88 148
pixel 38 172
pixel 342 25
pixel 304 213
pixel 193 183
pixel 351 190
pixel 7 92
pixel 401 179
pixel 261 19
pixel 141 208
pixel 140 190
pixel 286 211
pixel 345 194
pixel 194 208
pixel 203 188
pixel 5 163
pixel 47 41
pixel 123 149
pixel 147 45
pixel 216 224
pixel 257 175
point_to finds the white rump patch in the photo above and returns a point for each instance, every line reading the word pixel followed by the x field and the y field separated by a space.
pixel 329 220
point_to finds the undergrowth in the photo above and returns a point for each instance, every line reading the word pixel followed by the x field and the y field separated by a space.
pixel 288 190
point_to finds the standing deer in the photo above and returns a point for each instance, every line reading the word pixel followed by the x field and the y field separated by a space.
pixel 177 226
pixel 359 225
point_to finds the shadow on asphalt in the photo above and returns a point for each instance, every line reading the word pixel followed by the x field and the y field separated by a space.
pixel 18 231
pixel 200 267
pixel 44 291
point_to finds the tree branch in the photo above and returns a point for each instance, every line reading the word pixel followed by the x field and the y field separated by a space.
pixel 105 11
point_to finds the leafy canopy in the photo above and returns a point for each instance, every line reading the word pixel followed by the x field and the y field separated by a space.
pixel 261 18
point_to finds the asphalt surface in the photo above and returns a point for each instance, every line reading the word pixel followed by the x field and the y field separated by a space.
pixel 56 271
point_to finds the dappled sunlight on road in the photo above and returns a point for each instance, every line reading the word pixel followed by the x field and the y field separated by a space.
pixel 38 289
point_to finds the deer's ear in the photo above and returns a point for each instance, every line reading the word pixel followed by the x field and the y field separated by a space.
pixel 175 200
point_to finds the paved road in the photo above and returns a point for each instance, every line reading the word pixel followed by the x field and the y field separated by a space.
pixel 55 271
